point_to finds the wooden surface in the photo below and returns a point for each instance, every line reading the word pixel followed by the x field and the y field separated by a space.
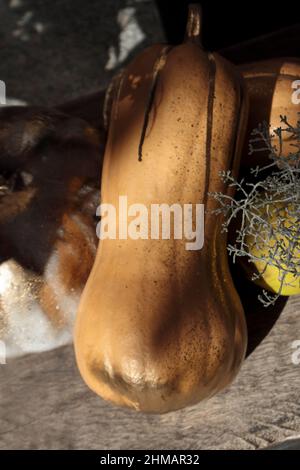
pixel 44 404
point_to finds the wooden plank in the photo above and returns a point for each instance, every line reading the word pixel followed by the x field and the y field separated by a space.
pixel 45 404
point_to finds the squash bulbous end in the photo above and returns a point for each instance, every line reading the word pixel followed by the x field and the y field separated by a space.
pixel 160 394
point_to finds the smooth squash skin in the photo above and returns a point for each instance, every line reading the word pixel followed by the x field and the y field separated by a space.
pixel 160 327
pixel 272 93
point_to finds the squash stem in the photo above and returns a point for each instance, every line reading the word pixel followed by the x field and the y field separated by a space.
pixel 193 27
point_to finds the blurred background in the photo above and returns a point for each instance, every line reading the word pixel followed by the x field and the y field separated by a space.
pixel 55 50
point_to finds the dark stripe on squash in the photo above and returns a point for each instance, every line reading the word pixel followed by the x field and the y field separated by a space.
pixel 209 125
pixel 158 66
pixel 238 125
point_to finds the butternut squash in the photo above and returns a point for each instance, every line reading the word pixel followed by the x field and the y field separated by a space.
pixel 273 92
pixel 160 327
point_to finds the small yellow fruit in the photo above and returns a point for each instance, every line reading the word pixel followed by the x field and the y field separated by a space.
pixel 275 257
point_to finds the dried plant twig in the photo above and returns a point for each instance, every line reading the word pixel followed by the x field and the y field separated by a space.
pixel 267 207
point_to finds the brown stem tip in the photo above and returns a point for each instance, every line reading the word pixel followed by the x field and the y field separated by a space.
pixel 193 27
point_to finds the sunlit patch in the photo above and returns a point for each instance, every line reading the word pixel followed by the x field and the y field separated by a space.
pixel 131 35
pixel 15 4
pixel 26 25
pixel 24 326
pixel 10 101
pixel 6 278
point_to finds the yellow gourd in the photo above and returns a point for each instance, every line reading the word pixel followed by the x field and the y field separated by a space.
pixel 275 279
